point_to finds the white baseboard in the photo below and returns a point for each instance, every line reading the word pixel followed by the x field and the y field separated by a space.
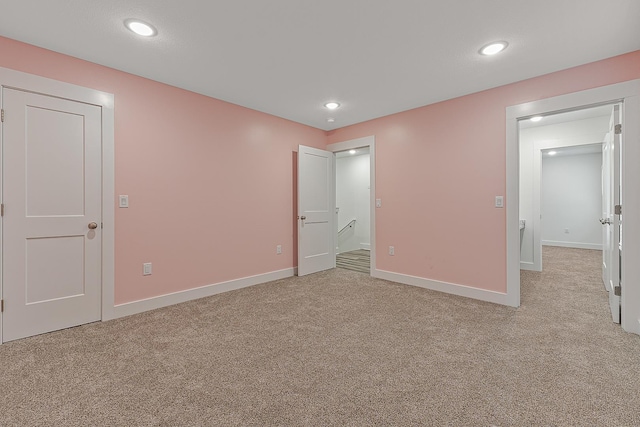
pixel 449 288
pixel 524 265
pixel 574 245
pixel 135 307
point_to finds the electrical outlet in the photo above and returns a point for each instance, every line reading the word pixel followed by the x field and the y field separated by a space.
pixel 378 203
pixel 146 269
pixel 278 249
pixel 392 250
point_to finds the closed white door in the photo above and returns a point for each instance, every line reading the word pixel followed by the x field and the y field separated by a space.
pixel 610 221
pixel 51 182
pixel 316 247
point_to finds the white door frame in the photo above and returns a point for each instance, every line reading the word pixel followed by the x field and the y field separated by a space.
pixel 367 141
pixel 629 94
pixel 32 83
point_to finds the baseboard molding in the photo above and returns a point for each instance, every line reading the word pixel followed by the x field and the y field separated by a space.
pixel 528 266
pixel 449 288
pixel 140 306
pixel 574 245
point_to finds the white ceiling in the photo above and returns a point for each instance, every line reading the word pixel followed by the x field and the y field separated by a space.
pixel 289 57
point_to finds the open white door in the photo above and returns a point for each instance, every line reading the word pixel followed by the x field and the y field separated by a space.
pixel 316 200
pixel 611 222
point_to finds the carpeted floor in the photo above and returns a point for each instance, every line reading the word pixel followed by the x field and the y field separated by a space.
pixel 358 260
pixel 341 348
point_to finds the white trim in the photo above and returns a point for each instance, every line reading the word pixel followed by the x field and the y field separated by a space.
pixel 140 306
pixel 367 141
pixel 525 265
pixel 37 84
pixel 575 245
pixel 449 288
pixel 626 92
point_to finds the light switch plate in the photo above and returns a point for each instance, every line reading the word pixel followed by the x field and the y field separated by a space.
pixel 124 201
pixel 146 269
pixel 499 202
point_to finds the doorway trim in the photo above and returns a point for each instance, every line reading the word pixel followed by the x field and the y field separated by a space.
pixel 42 85
pixel 367 141
pixel 629 94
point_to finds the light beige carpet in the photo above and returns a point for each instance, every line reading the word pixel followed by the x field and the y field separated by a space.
pixel 340 348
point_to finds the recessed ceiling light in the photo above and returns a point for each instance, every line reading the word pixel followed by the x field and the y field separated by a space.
pixel 552 153
pixel 536 118
pixel 140 28
pixel 332 105
pixel 352 151
pixel 493 48
pixel 331 120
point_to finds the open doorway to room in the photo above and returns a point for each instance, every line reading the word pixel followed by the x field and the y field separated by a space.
pixel 569 187
pixel 622 138
pixel 355 233
pixel 353 200
pixel 560 182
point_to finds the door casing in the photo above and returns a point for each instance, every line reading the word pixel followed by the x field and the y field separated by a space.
pixel 32 83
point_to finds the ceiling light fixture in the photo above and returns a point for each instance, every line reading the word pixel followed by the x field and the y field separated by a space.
pixel 552 153
pixel 536 118
pixel 331 120
pixel 352 151
pixel 493 48
pixel 332 105
pixel 140 28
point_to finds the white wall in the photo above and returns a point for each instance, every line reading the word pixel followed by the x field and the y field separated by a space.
pixel 571 201
pixel 532 140
pixel 352 199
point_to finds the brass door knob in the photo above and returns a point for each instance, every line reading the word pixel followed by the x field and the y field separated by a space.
pixel 93 225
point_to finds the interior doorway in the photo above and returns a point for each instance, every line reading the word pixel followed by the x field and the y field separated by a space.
pixel 355 204
pixel 353 200
pixel 627 94
pixel 560 181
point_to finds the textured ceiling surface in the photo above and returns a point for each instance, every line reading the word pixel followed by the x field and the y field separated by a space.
pixel 289 57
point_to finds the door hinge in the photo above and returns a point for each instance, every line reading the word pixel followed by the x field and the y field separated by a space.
pixel 617 290
pixel 1 305
pixel 618 129
pixel 2 209
pixel 2 115
pixel 618 209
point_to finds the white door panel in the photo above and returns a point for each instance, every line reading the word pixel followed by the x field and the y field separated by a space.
pixel 51 191
pixel 316 248
pixel 611 222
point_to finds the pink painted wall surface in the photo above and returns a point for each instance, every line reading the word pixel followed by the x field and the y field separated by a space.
pixel 210 184
pixel 439 168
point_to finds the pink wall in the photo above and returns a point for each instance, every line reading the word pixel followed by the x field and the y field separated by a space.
pixel 439 168
pixel 210 184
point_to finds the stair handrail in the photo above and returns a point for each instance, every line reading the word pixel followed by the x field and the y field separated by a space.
pixel 349 225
